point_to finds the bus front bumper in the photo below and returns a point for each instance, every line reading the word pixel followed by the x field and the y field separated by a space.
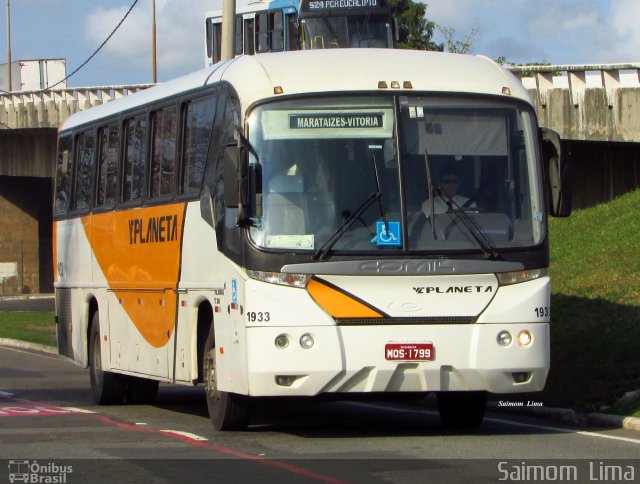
pixel 353 359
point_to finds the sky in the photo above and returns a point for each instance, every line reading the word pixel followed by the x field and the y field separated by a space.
pixel 524 31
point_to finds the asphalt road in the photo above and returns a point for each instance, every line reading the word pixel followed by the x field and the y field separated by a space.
pixel 45 302
pixel 47 416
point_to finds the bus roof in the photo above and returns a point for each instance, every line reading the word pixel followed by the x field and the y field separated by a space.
pixel 330 71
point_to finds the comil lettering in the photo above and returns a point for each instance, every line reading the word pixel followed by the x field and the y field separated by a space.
pixel 156 229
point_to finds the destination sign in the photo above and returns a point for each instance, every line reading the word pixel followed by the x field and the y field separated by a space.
pixel 337 120
pixel 332 5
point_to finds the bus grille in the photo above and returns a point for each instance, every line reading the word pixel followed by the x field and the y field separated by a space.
pixel 63 319
pixel 399 321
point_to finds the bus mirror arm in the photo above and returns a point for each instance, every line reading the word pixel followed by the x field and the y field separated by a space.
pixel 558 168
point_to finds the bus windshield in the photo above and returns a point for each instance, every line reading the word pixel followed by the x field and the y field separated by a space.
pixel 334 32
pixel 440 174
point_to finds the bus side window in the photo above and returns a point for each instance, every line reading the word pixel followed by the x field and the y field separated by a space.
pixel 63 175
pixel 199 116
pixel 276 31
pixel 209 37
pixel 249 37
pixel 164 128
pixel 108 164
pixel 135 156
pixel 238 36
pixel 226 230
pixel 85 161
pixel 217 42
pixel 262 32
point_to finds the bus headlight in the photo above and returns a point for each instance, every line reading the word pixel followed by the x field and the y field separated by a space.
pixel 504 338
pixel 508 278
pixel 282 278
pixel 524 338
pixel 282 341
pixel 306 341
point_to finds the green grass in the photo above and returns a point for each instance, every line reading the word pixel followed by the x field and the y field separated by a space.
pixel 595 321
pixel 33 327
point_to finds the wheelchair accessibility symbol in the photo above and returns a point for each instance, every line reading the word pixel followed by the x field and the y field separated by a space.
pixel 388 234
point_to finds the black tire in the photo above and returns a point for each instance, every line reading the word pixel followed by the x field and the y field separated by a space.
pixel 141 391
pixel 107 388
pixel 462 410
pixel 227 411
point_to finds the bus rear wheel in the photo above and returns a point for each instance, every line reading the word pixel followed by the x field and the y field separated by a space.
pixel 107 388
pixel 227 411
pixel 462 410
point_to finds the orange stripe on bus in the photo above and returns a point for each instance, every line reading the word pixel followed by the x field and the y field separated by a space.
pixel 338 303
pixel 138 251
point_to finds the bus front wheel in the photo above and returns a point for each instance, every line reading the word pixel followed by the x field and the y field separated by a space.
pixel 107 388
pixel 462 410
pixel 228 411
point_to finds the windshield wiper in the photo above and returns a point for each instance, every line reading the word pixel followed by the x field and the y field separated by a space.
pixel 472 227
pixel 321 253
pixel 377 180
pixel 432 195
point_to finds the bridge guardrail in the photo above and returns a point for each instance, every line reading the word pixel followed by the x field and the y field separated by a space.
pixel 577 78
pixel 48 108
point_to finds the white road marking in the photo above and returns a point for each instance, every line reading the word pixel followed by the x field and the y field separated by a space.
pixel 563 430
pixel 77 410
pixel 185 434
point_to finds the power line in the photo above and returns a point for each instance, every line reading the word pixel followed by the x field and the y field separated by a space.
pixel 99 48
pixel 92 55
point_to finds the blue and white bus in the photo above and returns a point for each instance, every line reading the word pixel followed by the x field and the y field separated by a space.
pixel 281 25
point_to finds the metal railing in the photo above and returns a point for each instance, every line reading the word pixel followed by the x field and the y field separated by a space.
pixel 50 107
pixel 578 78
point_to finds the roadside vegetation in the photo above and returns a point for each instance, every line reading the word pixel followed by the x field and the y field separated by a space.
pixel 595 320
pixel 30 326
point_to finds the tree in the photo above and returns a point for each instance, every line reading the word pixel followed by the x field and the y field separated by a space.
pixel 414 30
pixel 454 45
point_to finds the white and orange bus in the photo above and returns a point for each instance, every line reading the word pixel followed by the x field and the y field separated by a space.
pixel 284 225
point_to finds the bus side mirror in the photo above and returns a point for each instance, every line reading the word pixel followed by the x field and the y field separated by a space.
pixel 255 190
pixel 558 169
pixel 231 160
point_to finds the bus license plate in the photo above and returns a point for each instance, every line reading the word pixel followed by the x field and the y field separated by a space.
pixel 409 352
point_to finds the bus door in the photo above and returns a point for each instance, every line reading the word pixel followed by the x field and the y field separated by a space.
pixel 291 31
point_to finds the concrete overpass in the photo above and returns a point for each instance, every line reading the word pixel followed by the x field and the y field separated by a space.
pixel 28 127
pixel 595 108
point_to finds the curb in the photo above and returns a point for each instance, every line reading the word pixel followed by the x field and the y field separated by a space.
pixel 23 345
pixel 19 297
pixel 632 423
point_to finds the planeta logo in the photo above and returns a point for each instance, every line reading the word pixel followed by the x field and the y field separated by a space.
pixel 157 229
pixel 452 289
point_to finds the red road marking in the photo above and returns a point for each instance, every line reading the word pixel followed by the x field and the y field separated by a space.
pixel 30 410
pixel 294 469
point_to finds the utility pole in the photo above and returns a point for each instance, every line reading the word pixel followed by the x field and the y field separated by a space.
pixel 154 74
pixel 228 29
pixel 9 43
